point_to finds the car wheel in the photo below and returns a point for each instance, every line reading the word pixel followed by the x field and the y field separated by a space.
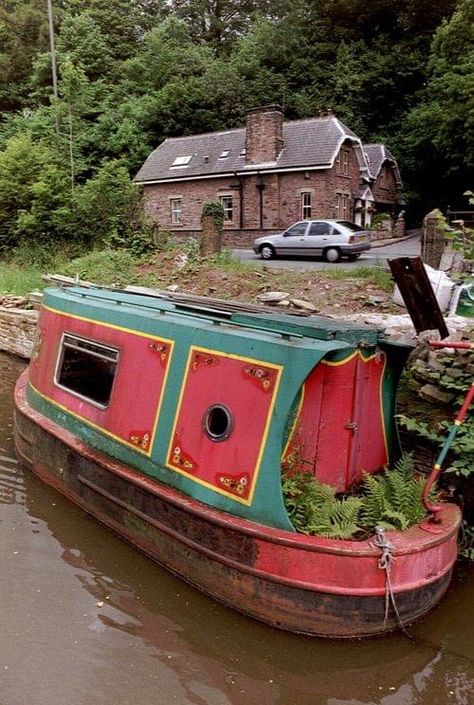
pixel 332 254
pixel 267 252
pixel 352 258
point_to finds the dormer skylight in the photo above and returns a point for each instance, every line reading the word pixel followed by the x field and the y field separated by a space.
pixel 224 154
pixel 182 161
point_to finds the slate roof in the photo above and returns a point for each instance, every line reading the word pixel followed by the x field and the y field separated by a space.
pixel 312 142
pixel 377 154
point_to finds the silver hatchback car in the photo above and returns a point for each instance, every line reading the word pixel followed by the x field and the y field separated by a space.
pixel 330 239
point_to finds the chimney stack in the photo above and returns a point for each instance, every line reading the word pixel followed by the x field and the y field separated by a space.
pixel 263 134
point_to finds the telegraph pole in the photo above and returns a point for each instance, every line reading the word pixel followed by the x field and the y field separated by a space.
pixel 53 62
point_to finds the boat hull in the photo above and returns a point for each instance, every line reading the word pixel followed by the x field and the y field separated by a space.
pixel 302 584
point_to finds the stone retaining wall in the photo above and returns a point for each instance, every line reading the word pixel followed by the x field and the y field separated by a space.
pixel 17 331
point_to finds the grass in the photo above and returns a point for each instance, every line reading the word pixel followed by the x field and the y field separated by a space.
pixel 18 280
pixel 219 276
pixel 375 275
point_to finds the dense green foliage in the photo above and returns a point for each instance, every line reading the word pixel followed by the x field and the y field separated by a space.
pixel 392 500
pixel 132 73
pixel 455 380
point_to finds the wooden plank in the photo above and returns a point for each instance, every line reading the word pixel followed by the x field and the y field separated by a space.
pixel 418 295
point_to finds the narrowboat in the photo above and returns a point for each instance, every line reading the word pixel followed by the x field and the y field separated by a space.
pixel 169 422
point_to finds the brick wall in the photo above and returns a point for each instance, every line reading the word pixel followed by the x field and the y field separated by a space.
pixel 385 187
pixel 264 134
pixel 271 202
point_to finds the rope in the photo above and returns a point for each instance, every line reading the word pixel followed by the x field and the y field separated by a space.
pixel 385 563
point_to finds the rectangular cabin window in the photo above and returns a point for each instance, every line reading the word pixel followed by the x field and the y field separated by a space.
pixel 87 369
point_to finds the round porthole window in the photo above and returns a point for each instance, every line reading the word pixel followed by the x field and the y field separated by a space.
pixel 218 422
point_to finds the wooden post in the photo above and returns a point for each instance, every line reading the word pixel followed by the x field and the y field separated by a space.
pixel 418 295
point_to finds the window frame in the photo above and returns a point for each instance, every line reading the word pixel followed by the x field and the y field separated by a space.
pixel 227 209
pixel 342 206
pixel 176 214
pixel 181 161
pixel 69 344
pixel 306 208
pixel 345 162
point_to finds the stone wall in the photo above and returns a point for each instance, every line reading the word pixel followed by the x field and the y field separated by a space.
pixel 433 239
pixel 17 331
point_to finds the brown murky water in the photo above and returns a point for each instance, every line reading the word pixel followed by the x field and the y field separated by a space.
pixel 87 620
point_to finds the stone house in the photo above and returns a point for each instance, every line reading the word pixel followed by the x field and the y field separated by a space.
pixel 267 175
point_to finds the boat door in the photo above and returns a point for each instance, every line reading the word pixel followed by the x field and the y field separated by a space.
pixel 340 432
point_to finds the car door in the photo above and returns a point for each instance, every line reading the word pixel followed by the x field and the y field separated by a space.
pixel 293 239
pixel 317 238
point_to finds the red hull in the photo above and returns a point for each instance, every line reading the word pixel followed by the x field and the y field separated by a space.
pixel 304 584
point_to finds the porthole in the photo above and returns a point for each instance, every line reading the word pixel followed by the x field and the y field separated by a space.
pixel 218 422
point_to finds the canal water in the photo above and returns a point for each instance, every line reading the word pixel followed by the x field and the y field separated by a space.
pixel 87 620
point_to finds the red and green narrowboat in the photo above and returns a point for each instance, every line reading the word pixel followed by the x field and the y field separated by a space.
pixel 170 422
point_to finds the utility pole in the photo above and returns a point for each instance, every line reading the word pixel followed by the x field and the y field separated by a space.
pixel 53 62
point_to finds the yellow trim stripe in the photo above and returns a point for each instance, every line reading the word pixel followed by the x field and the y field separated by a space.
pixel 295 421
pixel 337 364
pixel 90 423
pixel 256 469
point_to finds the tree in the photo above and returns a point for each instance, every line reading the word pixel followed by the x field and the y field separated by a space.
pixel 437 140
pixel 217 23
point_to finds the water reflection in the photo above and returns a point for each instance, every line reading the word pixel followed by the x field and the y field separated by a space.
pixel 92 621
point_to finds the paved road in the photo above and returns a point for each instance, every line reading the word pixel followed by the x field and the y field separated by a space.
pixel 376 257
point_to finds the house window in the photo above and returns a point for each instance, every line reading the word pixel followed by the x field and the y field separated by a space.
pixel 176 210
pixel 228 206
pixel 306 205
pixel 342 206
pixel 345 162
pixel 87 369
pixel 182 161
pixel 224 154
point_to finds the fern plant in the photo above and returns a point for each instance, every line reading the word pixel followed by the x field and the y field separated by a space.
pixel 392 500
pixel 337 519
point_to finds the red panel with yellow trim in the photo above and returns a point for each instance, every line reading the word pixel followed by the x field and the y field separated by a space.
pixel 339 431
pixel 69 342
pixel 222 420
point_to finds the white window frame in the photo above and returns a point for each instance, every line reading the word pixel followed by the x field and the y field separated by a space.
pixel 342 206
pixel 224 154
pixel 228 209
pixel 345 206
pixel 306 205
pixel 345 162
pixel 176 210
pixel 181 161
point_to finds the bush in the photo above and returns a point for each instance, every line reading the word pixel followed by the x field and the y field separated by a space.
pixel 106 267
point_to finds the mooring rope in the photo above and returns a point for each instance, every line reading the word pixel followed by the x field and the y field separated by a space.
pixel 385 563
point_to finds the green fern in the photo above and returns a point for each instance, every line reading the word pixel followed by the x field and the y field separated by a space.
pixel 337 519
pixel 393 500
